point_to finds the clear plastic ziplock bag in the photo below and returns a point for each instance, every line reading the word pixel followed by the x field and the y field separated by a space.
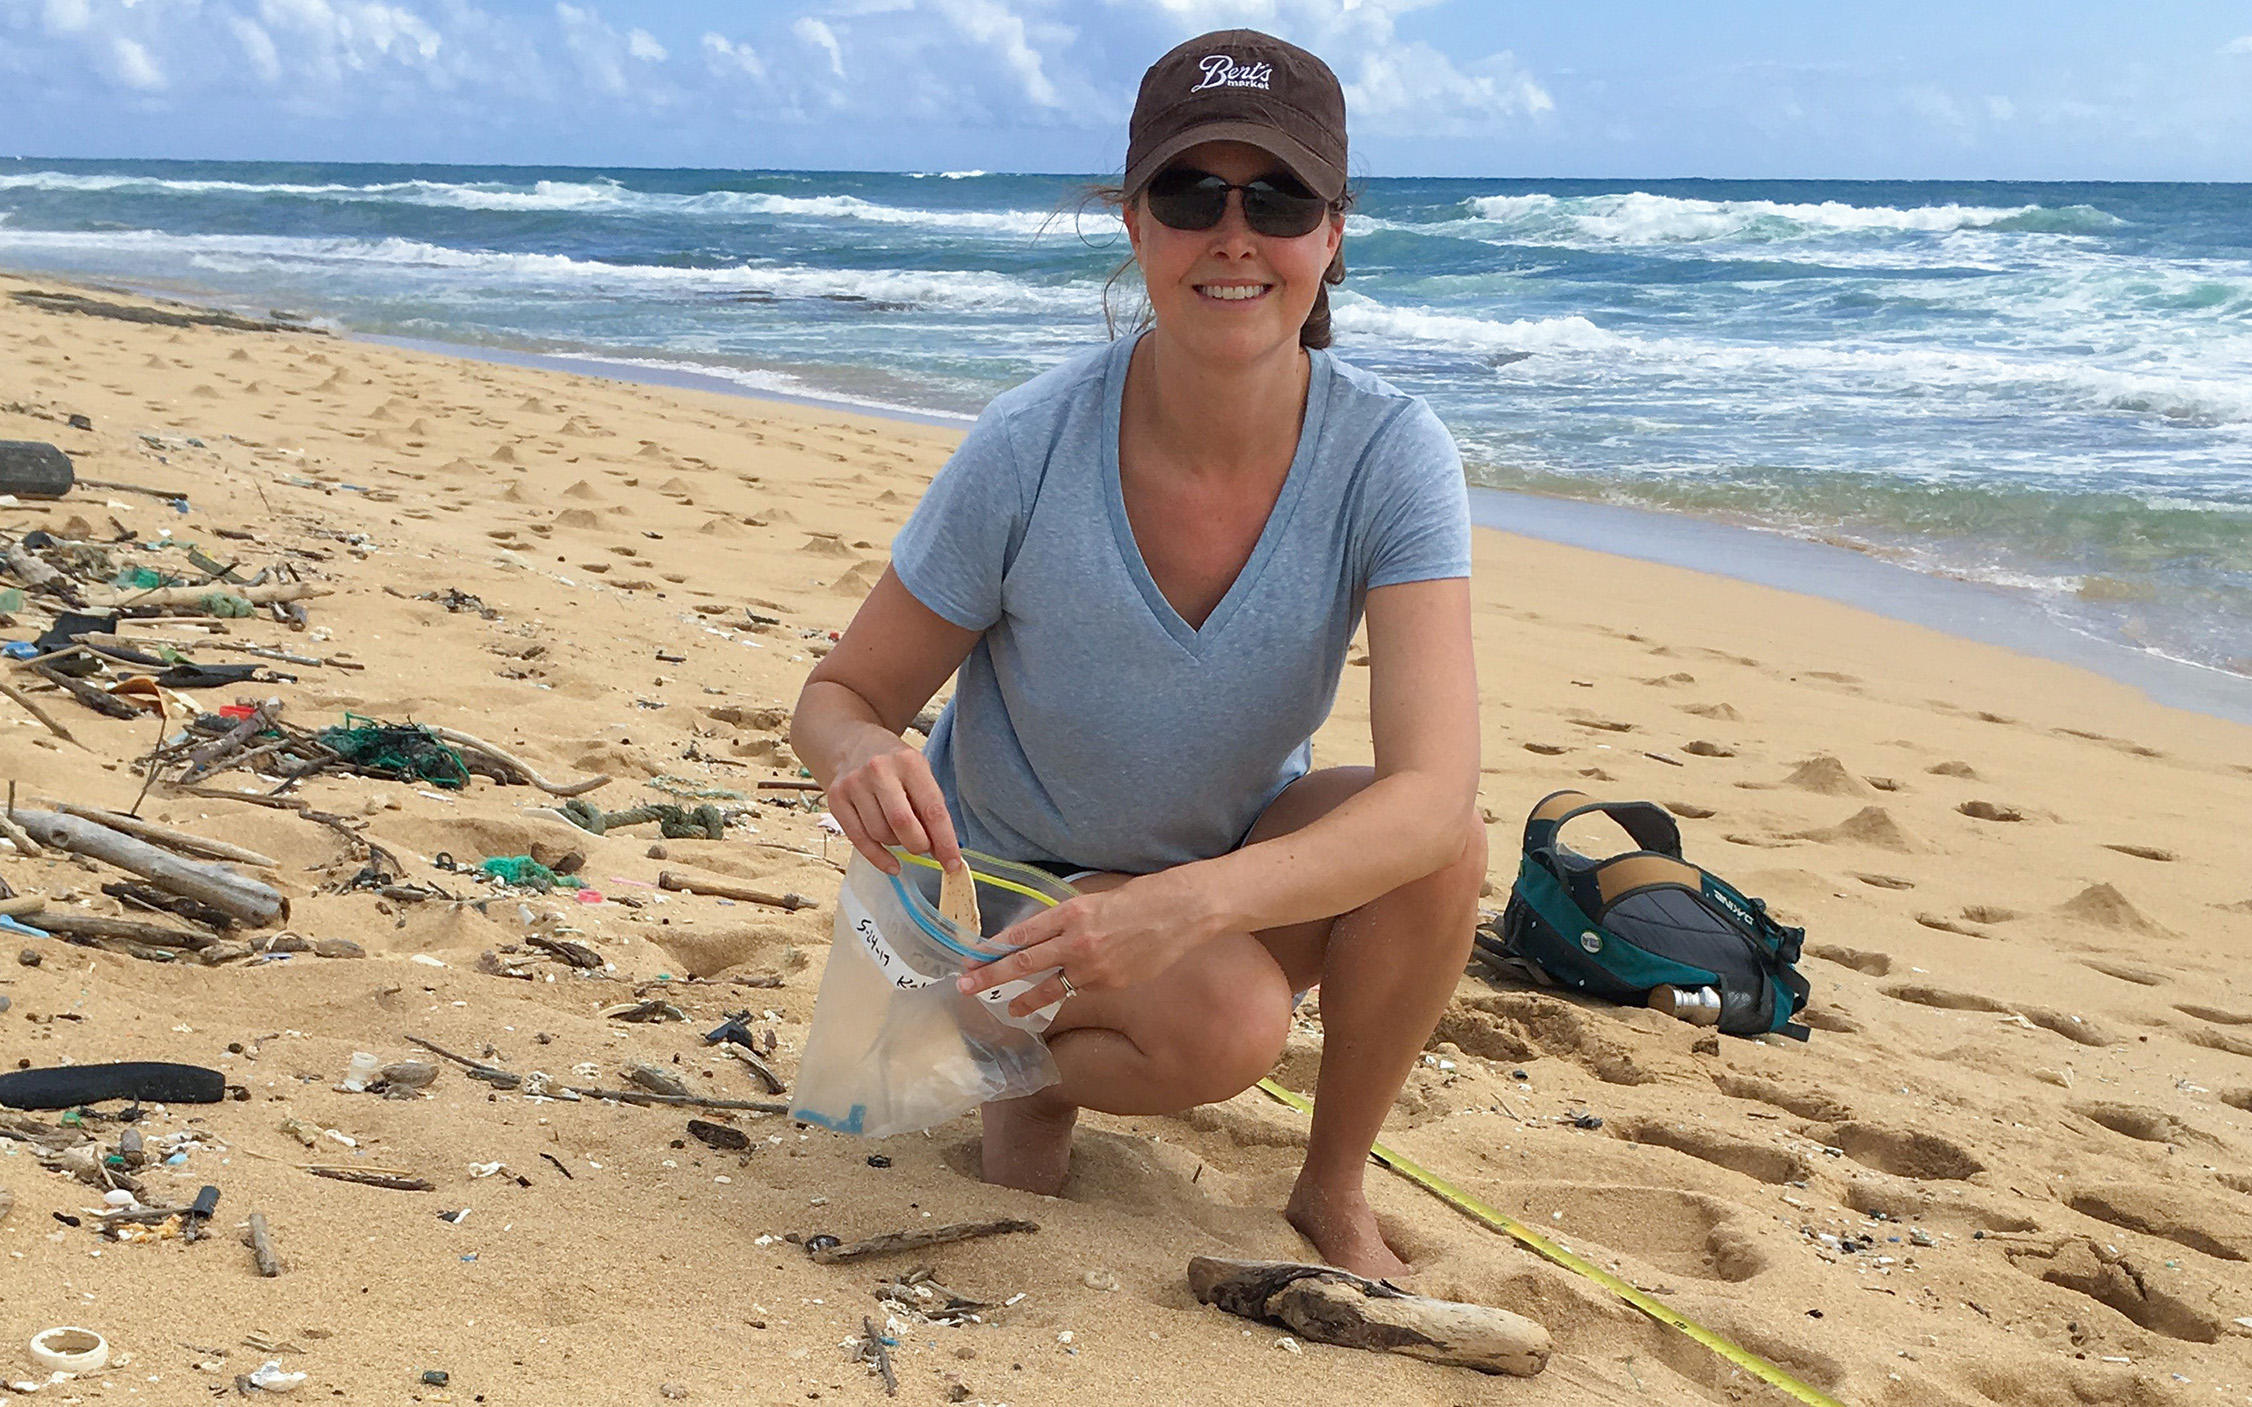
pixel 896 1046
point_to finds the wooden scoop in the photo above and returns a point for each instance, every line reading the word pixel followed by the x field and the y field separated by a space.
pixel 957 901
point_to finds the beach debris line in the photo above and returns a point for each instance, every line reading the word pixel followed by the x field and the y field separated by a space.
pixel 1332 1306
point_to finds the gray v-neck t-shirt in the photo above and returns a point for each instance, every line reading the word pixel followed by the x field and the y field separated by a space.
pixel 1091 725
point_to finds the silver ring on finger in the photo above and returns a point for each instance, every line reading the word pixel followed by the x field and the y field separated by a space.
pixel 1069 991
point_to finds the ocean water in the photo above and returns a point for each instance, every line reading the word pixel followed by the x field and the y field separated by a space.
pixel 2044 387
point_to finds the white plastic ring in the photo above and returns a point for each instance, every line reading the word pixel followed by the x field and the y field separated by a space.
pixel 68 1349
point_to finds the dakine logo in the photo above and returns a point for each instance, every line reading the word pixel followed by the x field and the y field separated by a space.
pixel 1220 71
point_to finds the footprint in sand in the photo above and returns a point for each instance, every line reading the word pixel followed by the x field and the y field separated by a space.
pixel 1910 1153
pixel 2136 1122
pixel 1681 1233
pixel 1721 712
pixel 1758 1161
pixel 2226 1041
pixel 2133 749
pixel 2126 972
pixel 1814 1104
pixel 2211 1225
pixel 1884 881
pixel 1519 1026
pixel 1990 811
pixel 2158 1296
pixel 2144 852
pixel 1953 769
pixel 1690 811
pixel 1699 747
pixel 1867 963
pixel 1921 995
pixel 2217 1015
pixel 1582 719
pixel 1678 679
pixel 1546 749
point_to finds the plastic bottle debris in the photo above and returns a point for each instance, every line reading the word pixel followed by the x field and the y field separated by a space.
pixel 364 1070
pixel 271 1378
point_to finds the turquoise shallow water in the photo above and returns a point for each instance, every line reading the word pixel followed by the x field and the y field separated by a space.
pixel 2046 388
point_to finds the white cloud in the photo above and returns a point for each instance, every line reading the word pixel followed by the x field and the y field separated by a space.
pixel 990 24
pixel 258 47
pixel 725 56
pixel 68 16
pixel 813 32
pixel 133 66
pixel 644 46
pixel 1999 108
pixel 602 55
pixel 2242 44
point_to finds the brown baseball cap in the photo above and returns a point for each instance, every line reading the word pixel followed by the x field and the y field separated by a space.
pixel 1238 85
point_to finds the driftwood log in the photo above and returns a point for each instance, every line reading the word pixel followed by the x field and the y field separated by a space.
pixel 63 923
pixel 213 884
pixel 164 597
pixel 1334 1306
pixel 183 841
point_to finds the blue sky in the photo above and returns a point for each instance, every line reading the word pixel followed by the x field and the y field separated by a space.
pixel 1970 89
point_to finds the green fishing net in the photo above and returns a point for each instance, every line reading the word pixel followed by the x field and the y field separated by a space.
pixel 406 750
pixel 528 872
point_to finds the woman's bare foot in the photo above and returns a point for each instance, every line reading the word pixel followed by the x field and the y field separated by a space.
pixel 1344 1230
pixel 1028 1143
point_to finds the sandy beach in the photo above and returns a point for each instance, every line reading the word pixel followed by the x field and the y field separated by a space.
pixel 2013 1165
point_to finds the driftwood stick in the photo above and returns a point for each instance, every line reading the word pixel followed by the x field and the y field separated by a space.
pixel 214 884
pixel 183 841
pixel 1334 1306
pixel 102 640
pixel 721 889
pixel 14 834
pixel 16 906
pixel 32 572
pixel 693 1101
pixel 878 1355
pixel 893 1242
pixel 261 1244
pixel 102 702
pixel 763 1072
pixel 518 765
pixel 64 924
pixel 158 597
pixel 31 707
pixel 478 1069
pixel 231 741
pixel 372 1177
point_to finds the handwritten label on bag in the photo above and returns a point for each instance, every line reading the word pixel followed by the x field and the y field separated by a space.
pixel 896 969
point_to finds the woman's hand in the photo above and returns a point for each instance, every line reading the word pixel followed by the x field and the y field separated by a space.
pixel 1102 941
pixel 884 794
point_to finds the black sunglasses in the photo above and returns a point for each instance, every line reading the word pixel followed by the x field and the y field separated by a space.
pixel 1185 198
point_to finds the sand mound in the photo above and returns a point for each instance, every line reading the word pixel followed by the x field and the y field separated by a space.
pixel 2105 907
pixel 858 581
pixel 1872 826
pixel 722 527
pixel 1827 775
pixel 826 545
pixel 578 518
pixel 580 488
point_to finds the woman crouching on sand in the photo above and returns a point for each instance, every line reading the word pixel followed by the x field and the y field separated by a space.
pixel 1147 565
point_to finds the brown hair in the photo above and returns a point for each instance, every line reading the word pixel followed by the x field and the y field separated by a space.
pixel 1314 332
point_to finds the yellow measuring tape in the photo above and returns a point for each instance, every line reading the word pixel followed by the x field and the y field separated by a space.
pixel 1649 1304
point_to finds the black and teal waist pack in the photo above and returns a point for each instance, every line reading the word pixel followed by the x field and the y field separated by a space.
pixel 1627 925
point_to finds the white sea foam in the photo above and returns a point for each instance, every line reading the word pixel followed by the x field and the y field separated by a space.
pixel 598 196
pixel 1637 217
pixel 1355 314
pixel 247 254
pixel 760 379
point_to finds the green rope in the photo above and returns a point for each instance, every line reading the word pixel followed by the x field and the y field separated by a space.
pixel 674 822
pixel 396 749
